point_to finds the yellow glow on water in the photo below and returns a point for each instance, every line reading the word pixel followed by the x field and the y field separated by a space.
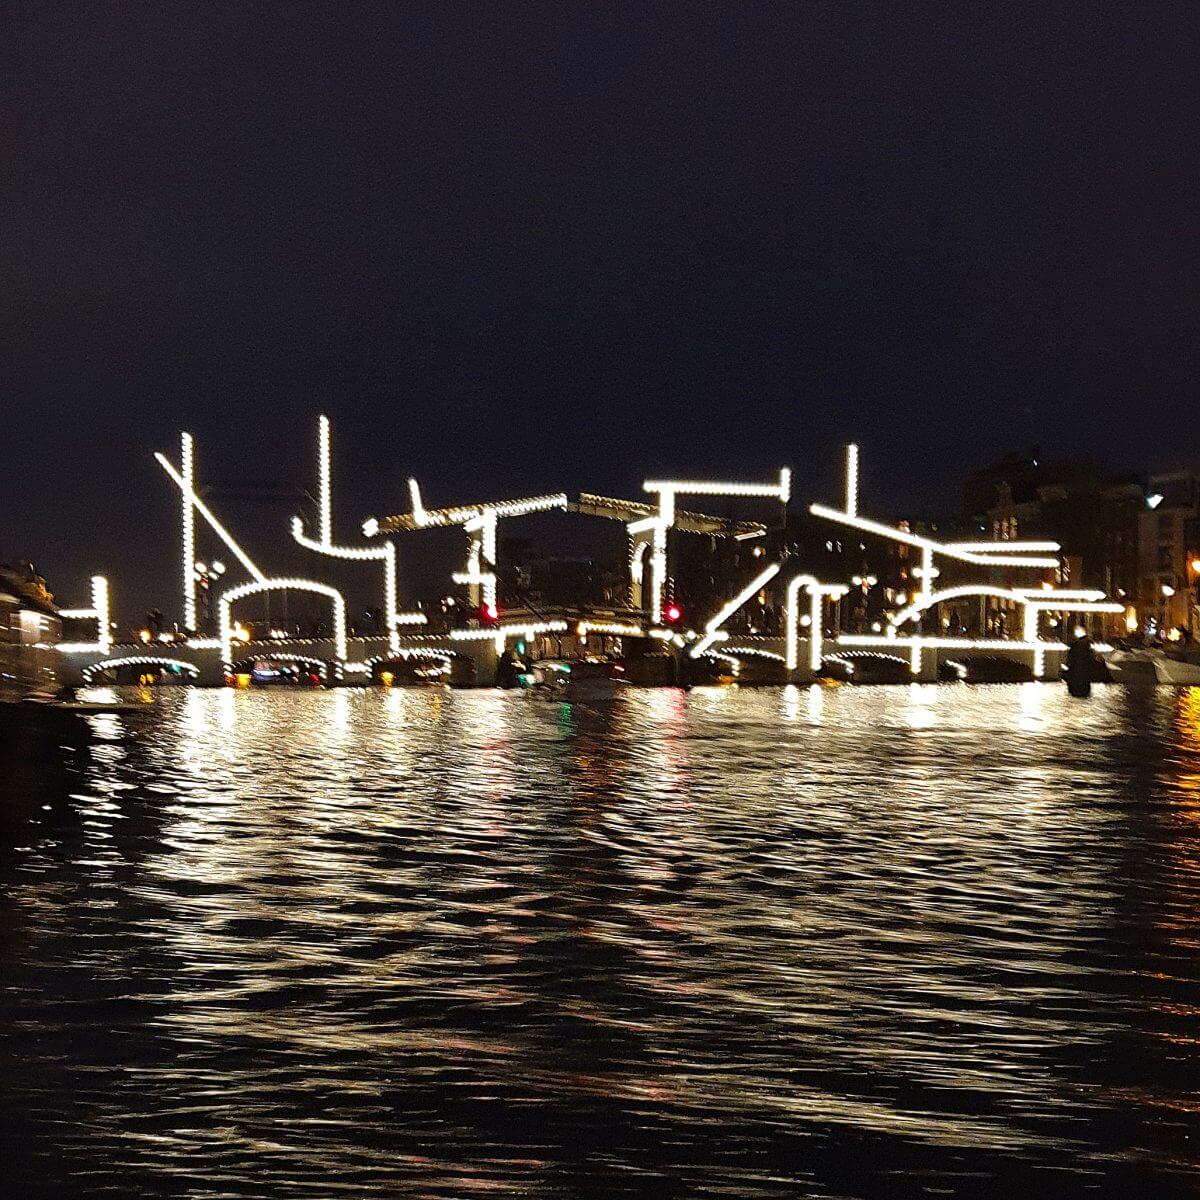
pixel 657 900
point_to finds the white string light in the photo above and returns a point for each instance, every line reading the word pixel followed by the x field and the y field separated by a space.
pixel 664 519
pixel 953 643
pixel 704 487
pixel 1042 600
pixel 189 492
pixel 608 627
pixel 729 609
pixel 225 605
pixel 817 593
pixel 423 518
pixel 187 464
pixel 753 651
pixel 385 553
pixel 1005 547
pixel 324 480
pixel 140 660
pixel 911 539
pixel 99 612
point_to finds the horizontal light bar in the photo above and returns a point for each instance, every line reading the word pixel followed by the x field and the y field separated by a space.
pixel 586 627
pixel 463 514
pixel 1061 593
pixel 702 487
pixel 912 539
pixel 1005 547
pixel 949 643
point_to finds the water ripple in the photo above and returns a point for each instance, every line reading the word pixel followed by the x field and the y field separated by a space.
pixel 826 942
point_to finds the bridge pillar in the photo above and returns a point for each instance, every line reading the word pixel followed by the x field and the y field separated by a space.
pixel 802 672
pixel 212 673
pixel 651 662
pixel 474 664
pixel 930 661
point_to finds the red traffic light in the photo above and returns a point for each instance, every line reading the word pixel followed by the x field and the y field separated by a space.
pixel 489 614
pixel 673 613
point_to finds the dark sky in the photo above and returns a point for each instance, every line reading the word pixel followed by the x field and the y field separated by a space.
pixel 511 247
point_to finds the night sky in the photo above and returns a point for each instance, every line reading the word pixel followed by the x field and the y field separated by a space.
pixel 513 247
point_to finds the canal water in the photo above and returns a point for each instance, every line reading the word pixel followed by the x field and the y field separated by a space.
pixel 824 942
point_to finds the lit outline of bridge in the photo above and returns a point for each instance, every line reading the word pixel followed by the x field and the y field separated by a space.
pixel 212 660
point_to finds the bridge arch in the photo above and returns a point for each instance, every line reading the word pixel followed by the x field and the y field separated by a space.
pixel 924 603
pixel 256 587
pixel 140 660
pixel 266 654
pixel 378 664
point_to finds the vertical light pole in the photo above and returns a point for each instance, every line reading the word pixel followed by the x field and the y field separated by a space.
pixel 187 471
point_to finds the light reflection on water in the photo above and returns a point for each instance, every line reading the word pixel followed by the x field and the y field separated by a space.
pixel 731 943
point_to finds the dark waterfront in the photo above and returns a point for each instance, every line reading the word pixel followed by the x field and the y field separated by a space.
pixel 826 942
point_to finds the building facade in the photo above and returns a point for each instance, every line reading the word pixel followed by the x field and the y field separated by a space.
pixel 30 629
pixel 1169 554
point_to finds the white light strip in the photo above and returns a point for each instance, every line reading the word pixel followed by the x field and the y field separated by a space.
pixel 1045 600
pixel 852 480
pixel 142 661
pixel 817 592
pixel 754 652
pixel 423 518
pixel 418 508
pixel 187 484
pixel 500 632
pixel 487 544
pixel 704 487
pixel 995 547
pixel 99 612
pixel 912 539
pixel 324 480
pixel 1061 593
pixel 100 606
pixel 1096 606
pixel 361 553
pixel 385 554
pixel 725 658
pixel 950 643
pixel 725 613
pixel 267 585
pixel 608 627
pixel 206 513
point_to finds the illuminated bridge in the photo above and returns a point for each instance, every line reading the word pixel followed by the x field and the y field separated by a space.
pixel 646 631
